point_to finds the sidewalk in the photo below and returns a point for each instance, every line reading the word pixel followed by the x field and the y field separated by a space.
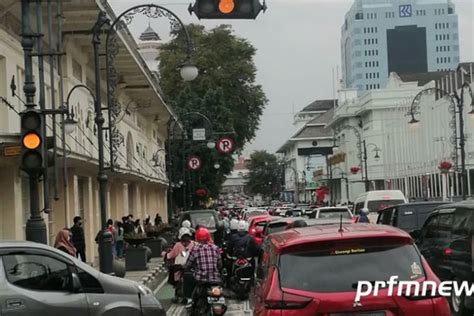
pixel 151 277
pixel 155 273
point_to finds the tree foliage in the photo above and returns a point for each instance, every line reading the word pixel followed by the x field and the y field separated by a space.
pixel 264 175
pixel 225 91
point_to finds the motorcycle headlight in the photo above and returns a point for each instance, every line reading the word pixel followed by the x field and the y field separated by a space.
pixel 144 290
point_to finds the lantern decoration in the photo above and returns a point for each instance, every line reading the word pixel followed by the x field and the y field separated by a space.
pixel 201 192
pixel 355 169
pixel 444 166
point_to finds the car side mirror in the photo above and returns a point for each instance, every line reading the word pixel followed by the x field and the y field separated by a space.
pixel 76 283
pixel 416 234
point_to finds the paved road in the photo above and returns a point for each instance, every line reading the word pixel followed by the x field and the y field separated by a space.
pixel 166 293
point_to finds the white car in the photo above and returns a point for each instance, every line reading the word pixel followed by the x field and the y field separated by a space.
pixel 332 213
pixel 376 201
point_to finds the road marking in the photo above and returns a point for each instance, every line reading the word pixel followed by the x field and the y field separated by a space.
pixel 163 283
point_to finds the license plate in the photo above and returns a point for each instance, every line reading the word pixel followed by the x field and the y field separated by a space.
pixel 374 313
pixel 216 300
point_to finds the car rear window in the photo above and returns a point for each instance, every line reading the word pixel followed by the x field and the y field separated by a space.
pixel 334 214
pixel 206 220
pixel 277 227
pixel 377 205
pixel 340 269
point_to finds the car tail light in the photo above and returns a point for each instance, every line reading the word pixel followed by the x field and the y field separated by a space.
pixel 353 220
pixel 447 252
pixel 253 231
pixel 277 299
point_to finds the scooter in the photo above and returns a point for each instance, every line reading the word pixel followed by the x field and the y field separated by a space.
pixel 242 276
pixel 210 301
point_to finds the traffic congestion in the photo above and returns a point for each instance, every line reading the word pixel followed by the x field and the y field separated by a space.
pixel 308 260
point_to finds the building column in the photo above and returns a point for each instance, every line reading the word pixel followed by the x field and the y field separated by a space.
pixel 91 226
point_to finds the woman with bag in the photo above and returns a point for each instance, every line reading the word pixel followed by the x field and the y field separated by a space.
pixel 178 255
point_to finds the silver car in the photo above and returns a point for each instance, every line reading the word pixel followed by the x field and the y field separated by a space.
pixel 36 279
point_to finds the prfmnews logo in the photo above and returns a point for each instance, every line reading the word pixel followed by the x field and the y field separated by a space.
pixel 413 288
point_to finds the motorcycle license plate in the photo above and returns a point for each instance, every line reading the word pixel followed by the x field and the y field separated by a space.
pixel 216 300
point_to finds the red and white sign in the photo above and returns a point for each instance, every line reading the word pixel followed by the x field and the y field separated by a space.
pixel 225 145
pixel 194 163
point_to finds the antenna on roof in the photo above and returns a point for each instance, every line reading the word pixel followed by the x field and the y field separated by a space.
pixel 340 225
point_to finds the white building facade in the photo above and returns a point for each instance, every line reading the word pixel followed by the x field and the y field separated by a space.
pixel 403 36
pixel 139 184
pixel 304 153
pixel 410 154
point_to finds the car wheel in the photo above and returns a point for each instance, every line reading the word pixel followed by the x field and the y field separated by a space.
pixel 457 305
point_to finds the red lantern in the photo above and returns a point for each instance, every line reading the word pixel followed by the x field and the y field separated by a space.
pixel 355 169
pixel 444 166
pixel 201 192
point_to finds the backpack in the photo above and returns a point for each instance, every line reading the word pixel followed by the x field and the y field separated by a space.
pixel 241 247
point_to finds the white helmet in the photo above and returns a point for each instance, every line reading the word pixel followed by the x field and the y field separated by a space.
pixel 234 224
pixel 243 226
pixel 186 224
pixel 184 231
pixel 365 211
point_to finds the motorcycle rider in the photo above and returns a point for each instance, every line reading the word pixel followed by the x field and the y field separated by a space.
pixel 179 254
pixel 243 245
pixel 363 217
pixel 205 261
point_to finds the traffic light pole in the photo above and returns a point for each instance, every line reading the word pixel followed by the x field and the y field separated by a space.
pixel 35 226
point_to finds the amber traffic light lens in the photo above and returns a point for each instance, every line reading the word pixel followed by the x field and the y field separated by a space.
pixel 226 6
pixel 31 141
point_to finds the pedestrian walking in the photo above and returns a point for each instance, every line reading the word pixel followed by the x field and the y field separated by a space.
pixel 63 242
pixel 78 239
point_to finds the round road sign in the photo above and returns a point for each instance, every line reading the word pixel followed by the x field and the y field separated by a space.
pixel 225 145
pixel 194 163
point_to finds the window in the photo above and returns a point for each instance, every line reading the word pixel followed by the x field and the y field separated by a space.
pixel 89 283
pixel 359 16
pixel 37 272
pixel 396 260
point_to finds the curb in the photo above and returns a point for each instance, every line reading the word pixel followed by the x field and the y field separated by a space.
pixel 151 275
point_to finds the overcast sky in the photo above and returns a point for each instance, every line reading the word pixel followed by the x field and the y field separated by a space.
pixel 298 48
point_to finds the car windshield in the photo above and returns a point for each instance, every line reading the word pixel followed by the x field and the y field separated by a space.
pixel 341 268
pixel 334 213
pixel 203 219
pixel 377 205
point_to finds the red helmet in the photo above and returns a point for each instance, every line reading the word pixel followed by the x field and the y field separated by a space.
pixel 203 235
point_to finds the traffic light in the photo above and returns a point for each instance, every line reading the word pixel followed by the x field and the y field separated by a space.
pixel 227 9
pixel 31 140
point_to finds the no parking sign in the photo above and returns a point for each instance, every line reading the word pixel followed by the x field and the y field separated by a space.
pixel 225 145
pixel 194 163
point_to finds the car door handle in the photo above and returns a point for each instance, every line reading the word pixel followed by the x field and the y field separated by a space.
pixel 15 303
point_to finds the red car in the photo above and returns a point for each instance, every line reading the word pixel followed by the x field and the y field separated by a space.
pixel 315 271
pixel 256 226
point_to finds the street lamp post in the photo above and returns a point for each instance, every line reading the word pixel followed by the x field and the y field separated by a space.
pixel 456 101
pixel 366 169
